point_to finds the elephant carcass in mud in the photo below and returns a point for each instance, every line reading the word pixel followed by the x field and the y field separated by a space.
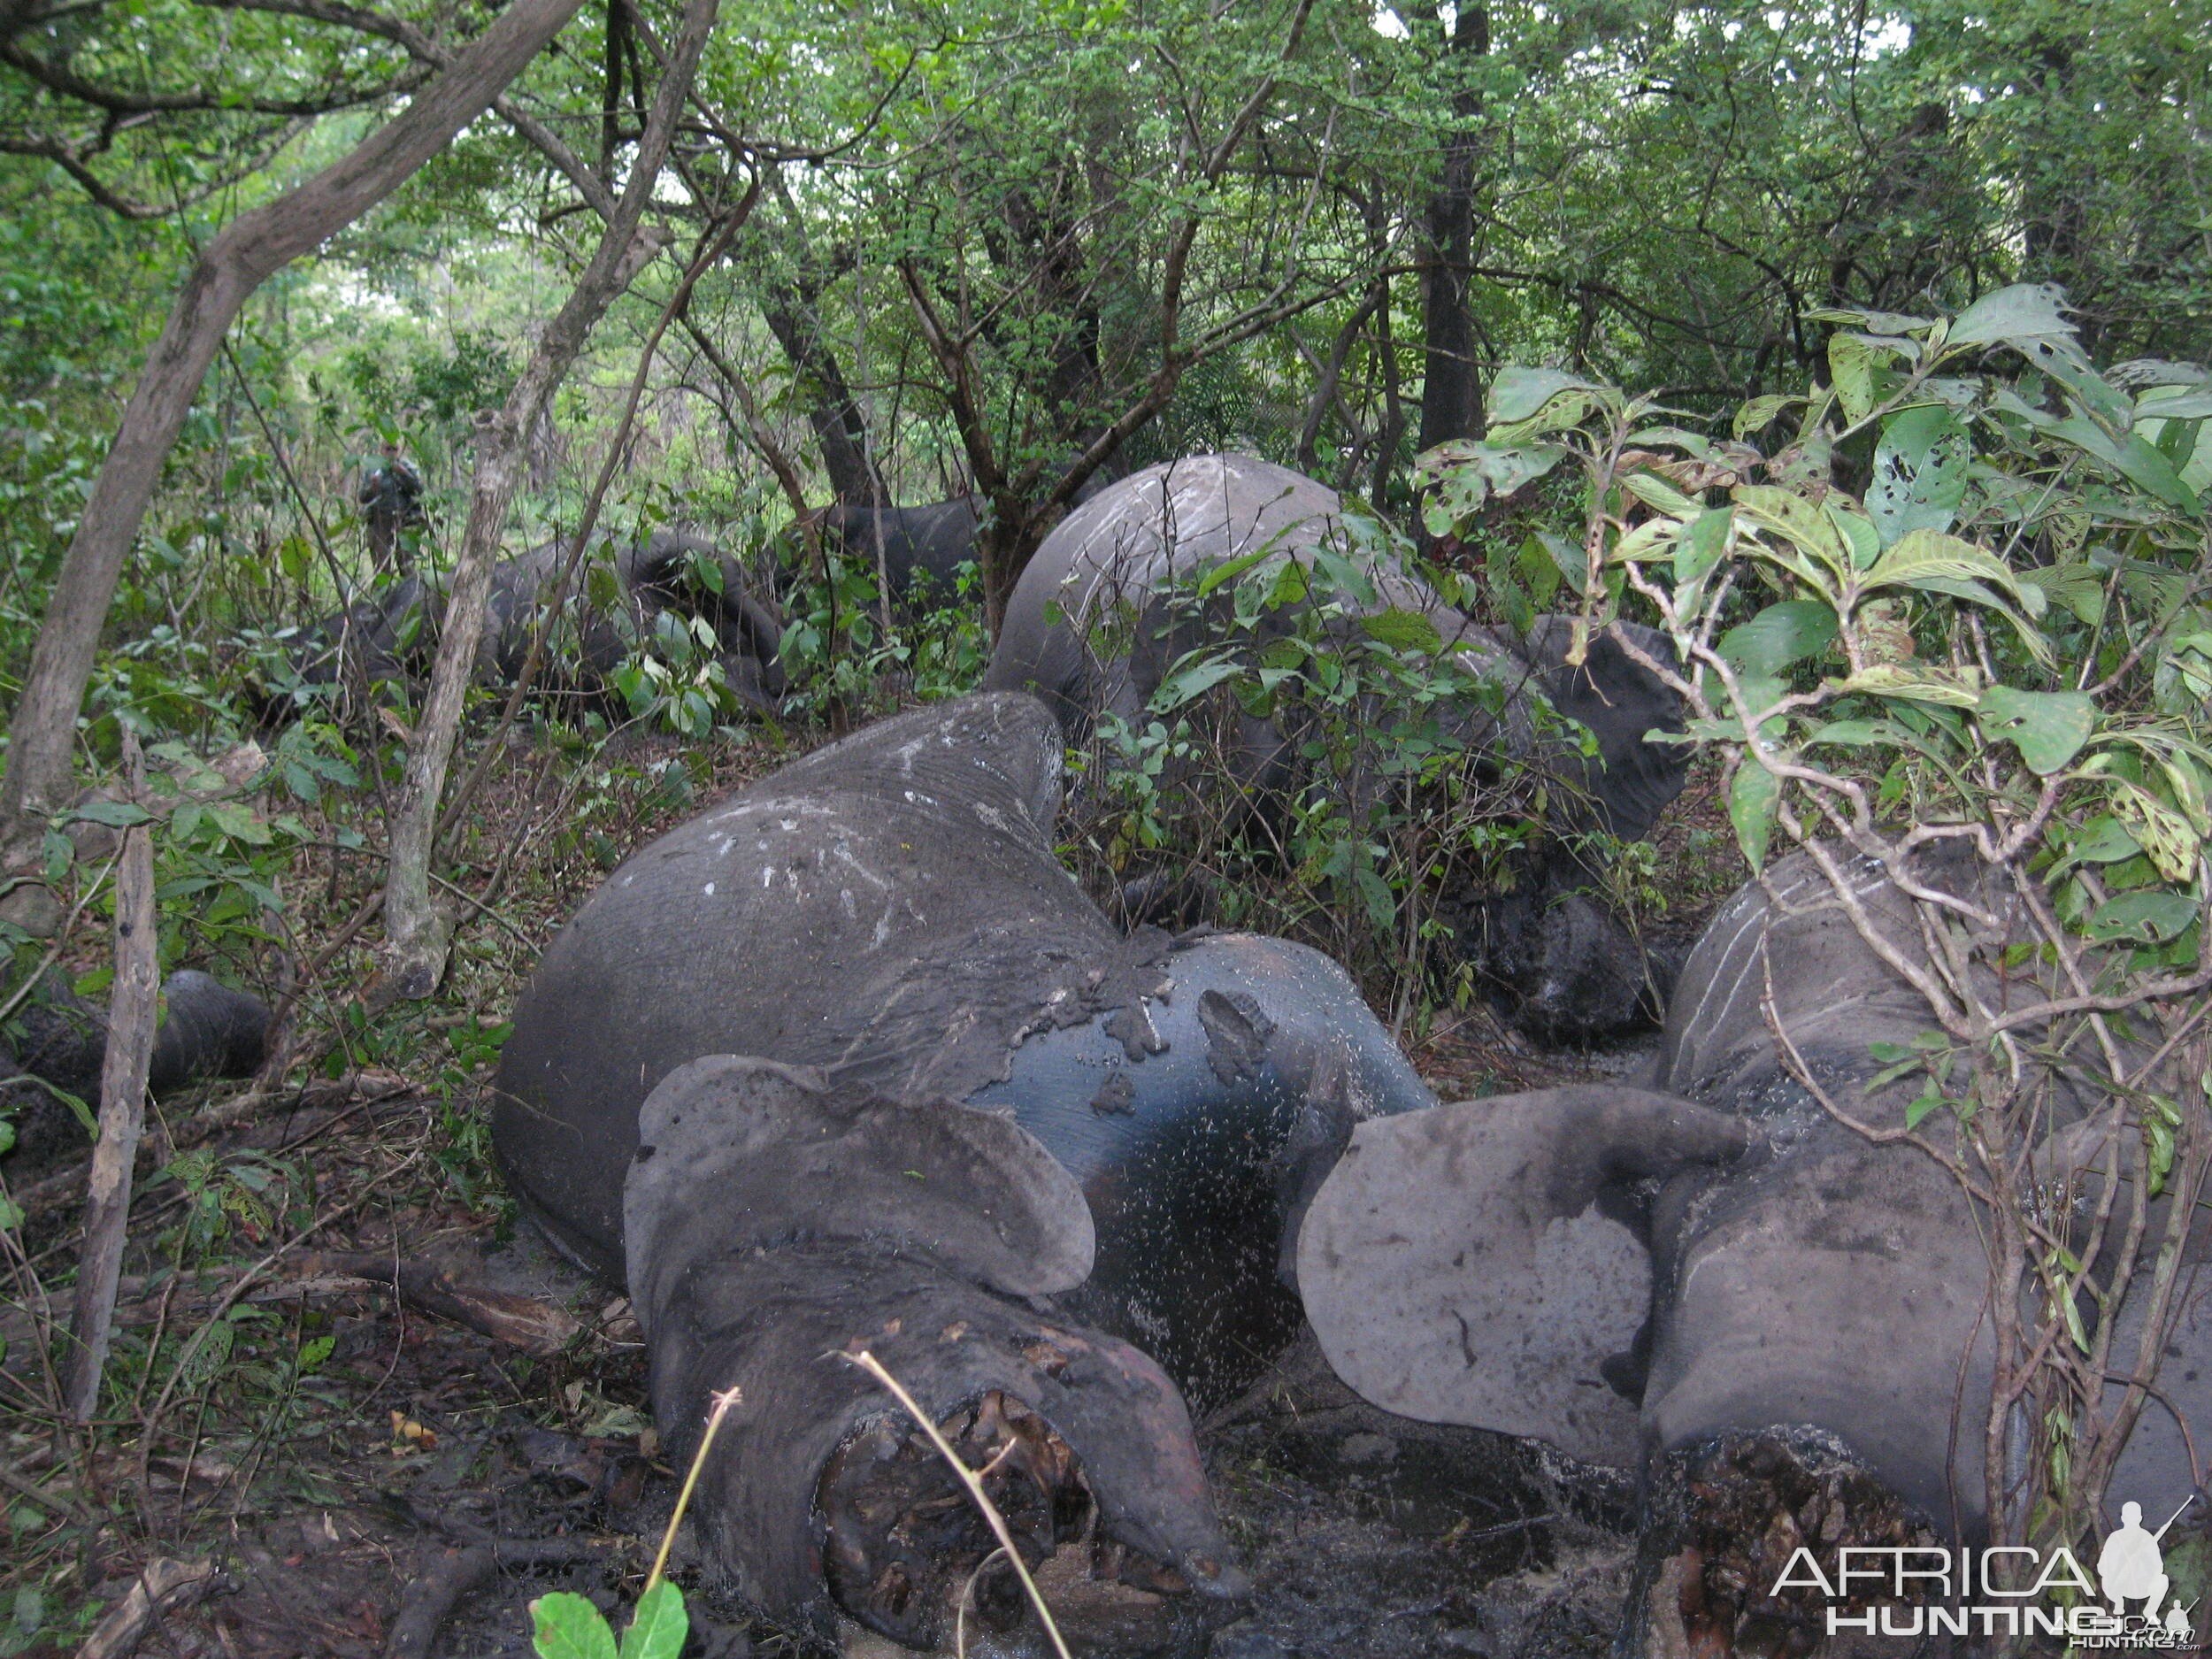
pixel 938 1042
pixel 1783 1320
pixel 393 636
pixel 58 1040
pixel 1103 612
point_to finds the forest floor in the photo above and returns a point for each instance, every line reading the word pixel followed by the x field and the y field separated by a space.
pixel 334 1469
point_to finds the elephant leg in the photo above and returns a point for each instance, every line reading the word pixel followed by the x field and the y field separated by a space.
pixel 208 1031
pixel 1569 970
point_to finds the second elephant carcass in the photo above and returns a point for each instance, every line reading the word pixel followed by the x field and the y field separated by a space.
pixel 674 574
pixel 1112 602
pixel 1748 1282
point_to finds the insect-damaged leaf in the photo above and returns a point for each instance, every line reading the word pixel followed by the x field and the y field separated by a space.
pixel 564 1625
pixel 1920 469
pixel 2142 918
pixel 2047 727
pixel 1521 393
pixel 2018 315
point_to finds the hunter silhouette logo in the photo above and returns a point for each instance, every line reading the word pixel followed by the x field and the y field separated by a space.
pixel 2132 1567
pixel 2008 1590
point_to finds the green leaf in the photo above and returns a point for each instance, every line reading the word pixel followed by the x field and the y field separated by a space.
pixel 2142 918
pixel 1920 469
pixel 1851 360
pixel 1566 558
pixel 1522 394
pixel 1694 443
pixel 1699 551
pixel 1752 796
pixel 1403 631
pixel 2047 727
pixel 1654 491
pixel 2077 586
pixel 2175 402
pixel 1857 530
pixel 2104 839
pixel 2017 316
pixel 1796 519
pixel 1382 906
pixel 1921 553
pixel 1779 635
pixel 1229 570
pixel 2069 1304
pixel 564 1625
pixel 1958 689
pixel 1184 684
pixel 1759 413
pixel 114 814
pixel 1916 1110
pixel 1856 733
pixel 658 1627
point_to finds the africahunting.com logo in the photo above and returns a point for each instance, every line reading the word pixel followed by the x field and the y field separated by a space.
pixel 2006 1590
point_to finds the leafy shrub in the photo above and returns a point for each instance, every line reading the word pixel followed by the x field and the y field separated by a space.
pixel 1324 764
pixel 1954 601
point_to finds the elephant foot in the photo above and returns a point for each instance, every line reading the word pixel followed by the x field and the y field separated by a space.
pixel 908 1553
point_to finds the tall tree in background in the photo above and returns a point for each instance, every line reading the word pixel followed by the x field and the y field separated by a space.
pixel 1451 377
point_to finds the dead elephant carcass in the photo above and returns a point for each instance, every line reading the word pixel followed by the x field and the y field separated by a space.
pixel 1038 1167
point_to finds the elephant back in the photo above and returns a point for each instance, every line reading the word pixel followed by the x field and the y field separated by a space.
pixel 912 861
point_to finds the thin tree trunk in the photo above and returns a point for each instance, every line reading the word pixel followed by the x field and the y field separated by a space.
pixel 1451 389
pixel 132 1010
pixel 247 251
pixel 415 932
pixel 840 427
pixel 1327 387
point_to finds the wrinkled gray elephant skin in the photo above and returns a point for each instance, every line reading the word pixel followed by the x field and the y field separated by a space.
pixel 1037 1166
pixel 926 544
pixel 1095 625
pixel 393 636
pixel 207 1031
pixel 1667 1276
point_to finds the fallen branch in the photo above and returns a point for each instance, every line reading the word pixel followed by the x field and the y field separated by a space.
pixel 363 1087
pixel 539 1328
pixel 164 1588
pixel 441 1583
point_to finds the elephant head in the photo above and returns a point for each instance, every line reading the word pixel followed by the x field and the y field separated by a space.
pixel 778 1228
pixel 1749 1284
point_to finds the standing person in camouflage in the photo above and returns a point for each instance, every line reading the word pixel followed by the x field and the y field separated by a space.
pixel 391 502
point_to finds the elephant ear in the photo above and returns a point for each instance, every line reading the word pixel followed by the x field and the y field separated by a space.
pixel 1467 1264
pixel 738 1153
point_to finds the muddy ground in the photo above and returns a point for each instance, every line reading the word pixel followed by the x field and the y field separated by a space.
pixel 336 1469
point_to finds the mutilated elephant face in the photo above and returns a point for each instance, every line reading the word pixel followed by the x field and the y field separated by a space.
pixel 778 1229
